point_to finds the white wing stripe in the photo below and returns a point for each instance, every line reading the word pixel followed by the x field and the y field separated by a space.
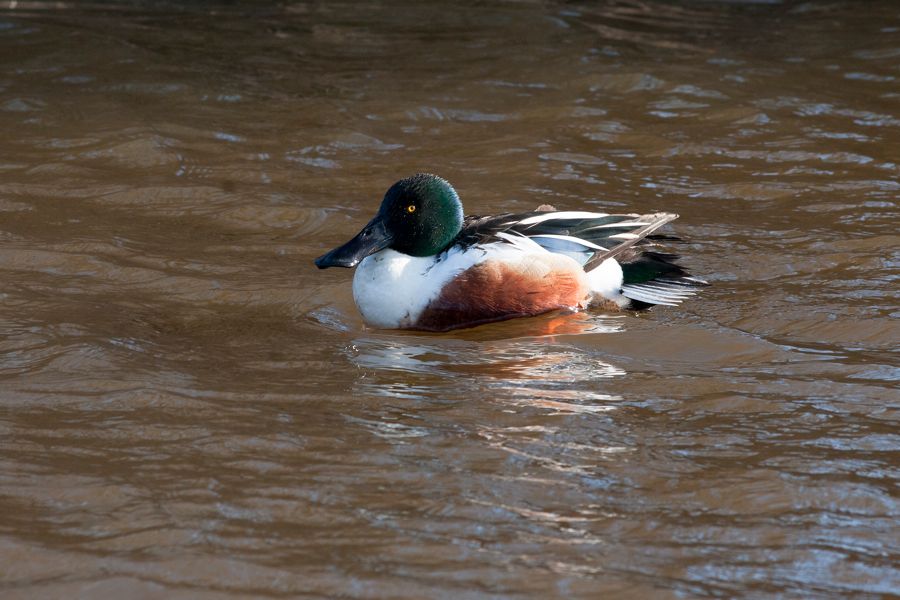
pixel 573 214
pixel 521 241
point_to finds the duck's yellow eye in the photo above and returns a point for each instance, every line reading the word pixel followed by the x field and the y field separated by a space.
pixel 411 208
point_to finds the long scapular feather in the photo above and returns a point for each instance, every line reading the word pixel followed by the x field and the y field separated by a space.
pixel 644 226
pixel 561 215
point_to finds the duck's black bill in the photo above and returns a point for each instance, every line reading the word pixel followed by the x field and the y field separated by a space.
pixel 371 239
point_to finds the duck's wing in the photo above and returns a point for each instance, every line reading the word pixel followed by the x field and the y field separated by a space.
pixel 607 236
pixel 598 235
pixel 649 276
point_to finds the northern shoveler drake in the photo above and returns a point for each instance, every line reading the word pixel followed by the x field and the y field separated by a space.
pixel 423 265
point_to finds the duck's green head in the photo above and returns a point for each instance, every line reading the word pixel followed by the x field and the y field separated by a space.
pixel 419 216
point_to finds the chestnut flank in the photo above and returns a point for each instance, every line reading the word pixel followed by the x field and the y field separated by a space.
pixel 495 291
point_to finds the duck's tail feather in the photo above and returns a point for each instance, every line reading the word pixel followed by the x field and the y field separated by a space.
pixel 650 278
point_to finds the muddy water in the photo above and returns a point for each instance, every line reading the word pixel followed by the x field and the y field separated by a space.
pixel 190 409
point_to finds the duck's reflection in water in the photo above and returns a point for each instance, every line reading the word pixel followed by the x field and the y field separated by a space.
pixel 531 362
pixel 500 414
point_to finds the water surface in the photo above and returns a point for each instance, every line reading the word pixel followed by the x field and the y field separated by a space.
pixel 190 409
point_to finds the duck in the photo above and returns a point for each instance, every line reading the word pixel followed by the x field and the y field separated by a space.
pixel 422 265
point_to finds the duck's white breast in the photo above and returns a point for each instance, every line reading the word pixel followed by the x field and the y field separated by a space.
pixel 392 289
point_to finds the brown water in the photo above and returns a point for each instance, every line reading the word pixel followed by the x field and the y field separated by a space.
pixel 189 409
